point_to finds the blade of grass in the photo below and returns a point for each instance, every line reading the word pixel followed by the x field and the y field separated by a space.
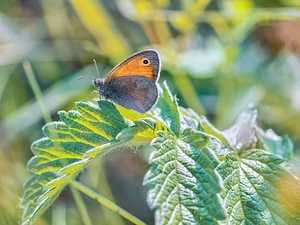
pixel 81 207
pixel 36 90
pixel 101 185
pixel 107 203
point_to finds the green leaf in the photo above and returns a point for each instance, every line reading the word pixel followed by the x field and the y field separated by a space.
pixel 281 146
pixel 141 133
pixel 205 126
pixel 59 157
pixel 183 185
pixel 255 187
pixel 167 109
pixel 190 119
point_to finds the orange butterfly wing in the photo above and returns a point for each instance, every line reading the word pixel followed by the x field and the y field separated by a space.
pixel 145 63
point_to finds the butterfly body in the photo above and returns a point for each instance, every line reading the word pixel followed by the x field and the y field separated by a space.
pixel 132 83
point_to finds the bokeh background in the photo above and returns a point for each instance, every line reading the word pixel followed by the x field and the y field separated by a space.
pixel 218 56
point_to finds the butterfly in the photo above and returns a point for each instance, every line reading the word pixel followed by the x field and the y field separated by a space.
pixel 132 83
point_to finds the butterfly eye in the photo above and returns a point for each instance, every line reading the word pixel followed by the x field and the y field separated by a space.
pixel 145 61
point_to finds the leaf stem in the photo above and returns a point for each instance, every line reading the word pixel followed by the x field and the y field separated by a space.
pixel 81 206
pixel 36 90
pixel 107 203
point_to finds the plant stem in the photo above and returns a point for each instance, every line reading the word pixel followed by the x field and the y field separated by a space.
pixel 101 186
pixel 81 206
pixel 107 203
pixel 37 91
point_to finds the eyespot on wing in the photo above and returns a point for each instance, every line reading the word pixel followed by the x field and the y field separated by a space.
pixel 135 65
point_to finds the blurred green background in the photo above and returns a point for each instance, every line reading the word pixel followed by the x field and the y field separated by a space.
pixel 217 56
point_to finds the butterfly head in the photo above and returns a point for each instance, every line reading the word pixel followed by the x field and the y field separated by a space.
pixel 103 89
pixel 98 83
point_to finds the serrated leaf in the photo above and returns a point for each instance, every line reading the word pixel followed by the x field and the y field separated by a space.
pixel 190 119
pixel 142 132
pixel 167 109
pixel 211 130
pixel 183 186
pixel 254 191
pixel 59 157
pixel 131 115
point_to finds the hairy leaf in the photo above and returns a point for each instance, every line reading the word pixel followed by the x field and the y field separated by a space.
pixel 59 157
pixel 183 186
pixel 254 190
pixel 167 110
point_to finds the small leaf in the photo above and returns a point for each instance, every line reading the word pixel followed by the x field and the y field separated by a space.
pixel 254 192
pixel 130 114
pixel 183 184
pixel 190 119
pixel 281 146
pixel 167 109
pixel 210 129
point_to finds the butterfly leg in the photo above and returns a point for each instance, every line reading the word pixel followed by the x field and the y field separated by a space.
pixel 89 95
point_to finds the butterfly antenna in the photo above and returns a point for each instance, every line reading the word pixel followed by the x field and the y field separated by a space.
pixel 96 68
pixel 86 77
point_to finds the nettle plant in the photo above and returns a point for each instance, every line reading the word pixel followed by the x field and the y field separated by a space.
pixel 197 174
